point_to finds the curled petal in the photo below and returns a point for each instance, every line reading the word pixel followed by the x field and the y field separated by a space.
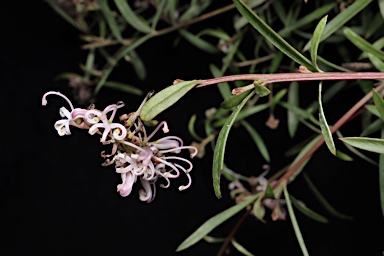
pixel 92 116
pixel 62 127
pixel 167 138
pixel 119 132
pixel 146 194
pixel 126 187
pixel 65 113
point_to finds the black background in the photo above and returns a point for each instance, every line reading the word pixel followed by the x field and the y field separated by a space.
pixel 56 198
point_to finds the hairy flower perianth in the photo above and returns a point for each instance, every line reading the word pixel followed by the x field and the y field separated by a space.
pixel 135 155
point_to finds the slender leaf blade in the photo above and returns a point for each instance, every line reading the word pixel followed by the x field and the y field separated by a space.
pixel 316 40
pixel 369 144
pixel 293 101
pixel 224 88
pixel 307 19
pixel 111 21
pixel 213 222
pixel 272 36
pixel 324 126
pixel 234 100
pixel 241 248
pixel 295 225
pixel 362 44
pixel 322 199
pixel 124 87
pixel 218 156
pixel 165 98
pixel 343 17
pixel 131 17
pixel 379 103
pixel 305 210
pixel 198 42
pixel 381 176
pixel 258 140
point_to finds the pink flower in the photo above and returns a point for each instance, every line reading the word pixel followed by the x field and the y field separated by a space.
pixel 75 117
pixel 117 131
pixel 135 155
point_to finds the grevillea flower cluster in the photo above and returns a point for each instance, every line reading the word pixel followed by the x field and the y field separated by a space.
pixel 135 154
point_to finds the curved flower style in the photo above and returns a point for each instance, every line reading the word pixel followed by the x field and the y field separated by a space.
pixel 75 117
pixel 93 116
pixel 149 163
pixel 135 155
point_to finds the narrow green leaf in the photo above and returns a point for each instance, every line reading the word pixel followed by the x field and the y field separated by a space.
pixel 121 53
pixel 65 15
pixel 234 100
pixel 258 140
pixel 316 40
pixel 269 192
pixel 244 114
pixel 124 87
pixel 276 61
pixel 293 102
pixel 295 225
pixel 191 128
pixel 242 21
pixel 218 33
pixel 304 151
pixel 198 42
pixel 213 222
pixel 211 239
pixel 111 21
pixel 339 21
pixel 324 201
pixel 356 152
pixel 194 9
pixel 369 144
pixel 362 44
pixel 159 11
pixel 381 176
pixel 228 59
pixel 258 209
pixel 308 212
pixel 324 126
pixel 218 156
pixel 224 88
pixel 332 90
pixel 379 103
pixel 165 98
pixel 373 110
pixel 307 19
pixel 332 65
pixel 341 155
pixel 377 62
pixel 131 17
pixel 241 248
pixel 372 128
pixel 277 98
pixel 138 65
pixel 272 36
pixel 261 90
pixel 381 6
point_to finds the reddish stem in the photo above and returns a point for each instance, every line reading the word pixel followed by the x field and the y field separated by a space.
pixel 334 128
pixel 290 77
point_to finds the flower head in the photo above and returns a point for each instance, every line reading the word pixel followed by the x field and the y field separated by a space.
pixel 135 154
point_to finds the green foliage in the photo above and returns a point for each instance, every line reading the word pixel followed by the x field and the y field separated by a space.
pixel 269 38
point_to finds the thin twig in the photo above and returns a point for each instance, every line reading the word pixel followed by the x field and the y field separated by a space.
pixel 233 232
